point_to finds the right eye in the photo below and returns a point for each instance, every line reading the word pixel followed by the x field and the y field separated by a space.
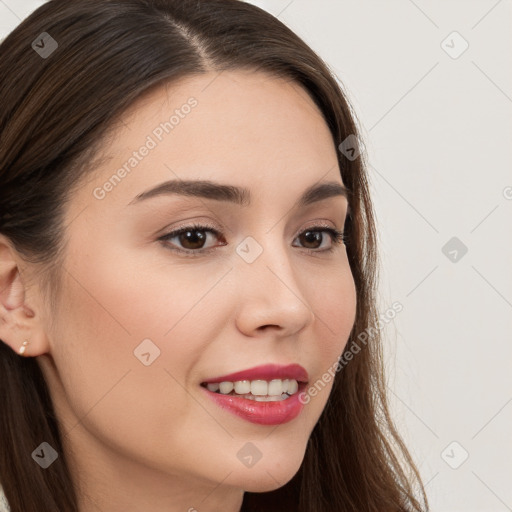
pixel 189 235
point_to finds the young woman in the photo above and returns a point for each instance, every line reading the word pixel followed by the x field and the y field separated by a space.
pixel 187 270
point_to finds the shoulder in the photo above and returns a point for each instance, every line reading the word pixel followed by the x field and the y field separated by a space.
pixel 4 506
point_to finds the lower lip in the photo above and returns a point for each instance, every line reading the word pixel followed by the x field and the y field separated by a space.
pixel 262 413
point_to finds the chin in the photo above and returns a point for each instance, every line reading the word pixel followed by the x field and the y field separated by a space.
pixel 268 477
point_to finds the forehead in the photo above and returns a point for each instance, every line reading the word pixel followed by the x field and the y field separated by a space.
pixel 224 106
pixel 247 128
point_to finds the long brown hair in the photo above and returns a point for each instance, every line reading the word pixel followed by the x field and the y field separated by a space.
pixel 55 114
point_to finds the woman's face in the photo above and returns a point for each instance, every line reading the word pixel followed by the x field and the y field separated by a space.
pixel 142 326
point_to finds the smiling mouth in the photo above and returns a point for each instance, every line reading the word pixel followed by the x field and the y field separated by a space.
pixel 274 390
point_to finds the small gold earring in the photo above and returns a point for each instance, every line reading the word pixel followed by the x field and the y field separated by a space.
pixel 23 348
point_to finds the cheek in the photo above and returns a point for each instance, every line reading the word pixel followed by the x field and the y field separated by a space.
pixel 335 314
pixel 107 311
pixel 335 311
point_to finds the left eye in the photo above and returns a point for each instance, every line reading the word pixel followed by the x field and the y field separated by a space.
pixel 193 238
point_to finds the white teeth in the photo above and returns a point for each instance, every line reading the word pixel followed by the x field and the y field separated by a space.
pixel 284 396
pixel 256 388
pixel 275 387
pixel 242 387
pixel 279 398
pixel 226 387
pixel 293 386
pixel 259 387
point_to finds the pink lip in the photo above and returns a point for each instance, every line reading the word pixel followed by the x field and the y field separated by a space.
pixel 265 372
pixel 263 413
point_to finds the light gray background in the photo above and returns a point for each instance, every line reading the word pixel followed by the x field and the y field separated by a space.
pixel 438 134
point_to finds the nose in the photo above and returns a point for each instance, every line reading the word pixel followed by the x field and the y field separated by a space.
pixel 270 294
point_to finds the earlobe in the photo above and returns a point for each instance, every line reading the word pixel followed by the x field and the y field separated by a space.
pixel 19 325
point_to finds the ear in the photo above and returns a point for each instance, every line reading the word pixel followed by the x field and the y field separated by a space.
pixel 20 313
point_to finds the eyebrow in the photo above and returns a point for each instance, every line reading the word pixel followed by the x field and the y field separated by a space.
pixel 238 195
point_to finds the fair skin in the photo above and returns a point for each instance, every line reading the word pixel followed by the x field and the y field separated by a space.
pixel 145 437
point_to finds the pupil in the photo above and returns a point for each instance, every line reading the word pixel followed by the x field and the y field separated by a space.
pixel 194 240
pixel 316 236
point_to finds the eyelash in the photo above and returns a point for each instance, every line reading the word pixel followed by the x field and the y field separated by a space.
pixel 337 237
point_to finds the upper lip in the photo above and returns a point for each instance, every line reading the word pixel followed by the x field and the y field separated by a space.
pixel 265 372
